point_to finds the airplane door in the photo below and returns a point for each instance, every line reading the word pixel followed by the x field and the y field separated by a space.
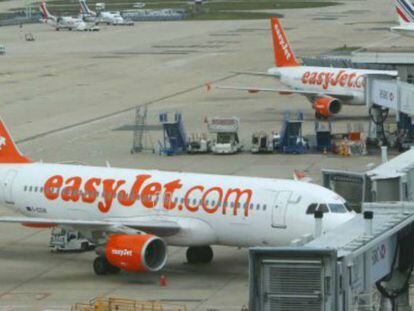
pixel 279 209
pixel 7 187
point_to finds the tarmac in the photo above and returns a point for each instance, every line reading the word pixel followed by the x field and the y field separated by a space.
pixel 63 95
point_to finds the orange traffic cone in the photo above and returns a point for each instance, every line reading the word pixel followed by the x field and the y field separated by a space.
pixel 163 280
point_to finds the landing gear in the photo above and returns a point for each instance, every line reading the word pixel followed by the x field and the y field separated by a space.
pixel 199 254
pixel 101 266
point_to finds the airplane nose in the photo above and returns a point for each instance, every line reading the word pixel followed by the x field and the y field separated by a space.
pixel 333 221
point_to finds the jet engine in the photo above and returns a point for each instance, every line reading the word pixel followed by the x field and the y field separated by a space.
pixel 136 253
pixel 326 106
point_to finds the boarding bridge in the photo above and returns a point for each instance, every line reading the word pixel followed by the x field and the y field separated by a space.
pixel 392 180
pixel 364 264
pixel 384 94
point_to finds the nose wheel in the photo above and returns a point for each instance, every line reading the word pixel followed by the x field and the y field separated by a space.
pixel 199 254
pixel 101 266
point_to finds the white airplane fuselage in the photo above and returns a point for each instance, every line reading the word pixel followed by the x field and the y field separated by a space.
pixel 404 30
pixel 269 211
pixel 327 80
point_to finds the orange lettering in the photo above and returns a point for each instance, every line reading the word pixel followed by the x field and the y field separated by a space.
pixel 128 200
pixel 90 194
pixel 72 191
pixel 238 193
pixel 52 187
pixel 110 188
pixel 150 193
pixel 169 193
pixel 187 200
pixel 305 77
pixel 351 77
pixel 320 78
pixel 342 80
pixel 216 206
pixel 312 79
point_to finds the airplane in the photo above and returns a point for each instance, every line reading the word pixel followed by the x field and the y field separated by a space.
pixel 327 88
pixel 405 13
pixel 106 17
pixel 65 22
pixel 132 215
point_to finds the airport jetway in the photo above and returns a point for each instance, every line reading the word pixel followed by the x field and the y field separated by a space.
pixel 383 95
pixel 368 268
pixel 392 180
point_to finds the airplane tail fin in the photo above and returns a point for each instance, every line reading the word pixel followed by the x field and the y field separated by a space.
pixel 85 9
pixel 45 12
pixel 405 11
pixel 9 153
pixel 284 56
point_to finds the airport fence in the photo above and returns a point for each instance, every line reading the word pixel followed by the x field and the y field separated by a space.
pixel 119 304
pixel 18 18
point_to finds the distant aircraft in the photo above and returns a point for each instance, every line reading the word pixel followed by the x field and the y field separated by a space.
pixel 327 88
pixel 132 215
pixel 106 17
pixel 405 13
pixel 65 22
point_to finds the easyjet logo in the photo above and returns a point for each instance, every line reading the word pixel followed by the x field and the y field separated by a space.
pixel 122 252
pixel 170 195
pixel 282 42
pixel 326 79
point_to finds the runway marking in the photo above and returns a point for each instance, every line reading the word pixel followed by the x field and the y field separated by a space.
pixel 35 296
pixel 118 112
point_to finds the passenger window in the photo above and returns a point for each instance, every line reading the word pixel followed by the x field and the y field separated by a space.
pixel 207 202
pixel 311 209
pixel 264 207
pixel 258 206
pixel 30 188
pixel 213 203
pixel 182 200
pixel 25 188
pixel 41 189
pixel 251 205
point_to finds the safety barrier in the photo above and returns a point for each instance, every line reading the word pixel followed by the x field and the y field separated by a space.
pixel 119 304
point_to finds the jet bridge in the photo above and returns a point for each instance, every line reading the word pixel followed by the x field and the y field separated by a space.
pixel 364 264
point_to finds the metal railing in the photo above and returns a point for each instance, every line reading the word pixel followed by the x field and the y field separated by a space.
pixel 119 304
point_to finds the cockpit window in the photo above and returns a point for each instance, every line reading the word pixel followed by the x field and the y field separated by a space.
pixel 337 208
pixel 311 208
pixel 348 208
pixel 323 208
pixel 315 207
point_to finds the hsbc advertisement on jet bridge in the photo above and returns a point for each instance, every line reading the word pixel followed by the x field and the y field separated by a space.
pixel 385 93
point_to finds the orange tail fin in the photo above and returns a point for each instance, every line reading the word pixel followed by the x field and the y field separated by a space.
pixel 284 56
pixel 9 153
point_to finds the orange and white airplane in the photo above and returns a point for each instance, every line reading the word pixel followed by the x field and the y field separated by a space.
pixel 65 22
pixel 327 88
pixel 134 214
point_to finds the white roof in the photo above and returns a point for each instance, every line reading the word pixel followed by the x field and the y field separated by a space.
pixel 394 168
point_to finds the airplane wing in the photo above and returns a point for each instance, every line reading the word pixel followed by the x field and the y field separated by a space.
pixel 338 95
pixel 255 73
pixel 159 227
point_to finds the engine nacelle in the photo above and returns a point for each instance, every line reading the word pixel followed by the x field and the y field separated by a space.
pixel 327 106
pixel 136 253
